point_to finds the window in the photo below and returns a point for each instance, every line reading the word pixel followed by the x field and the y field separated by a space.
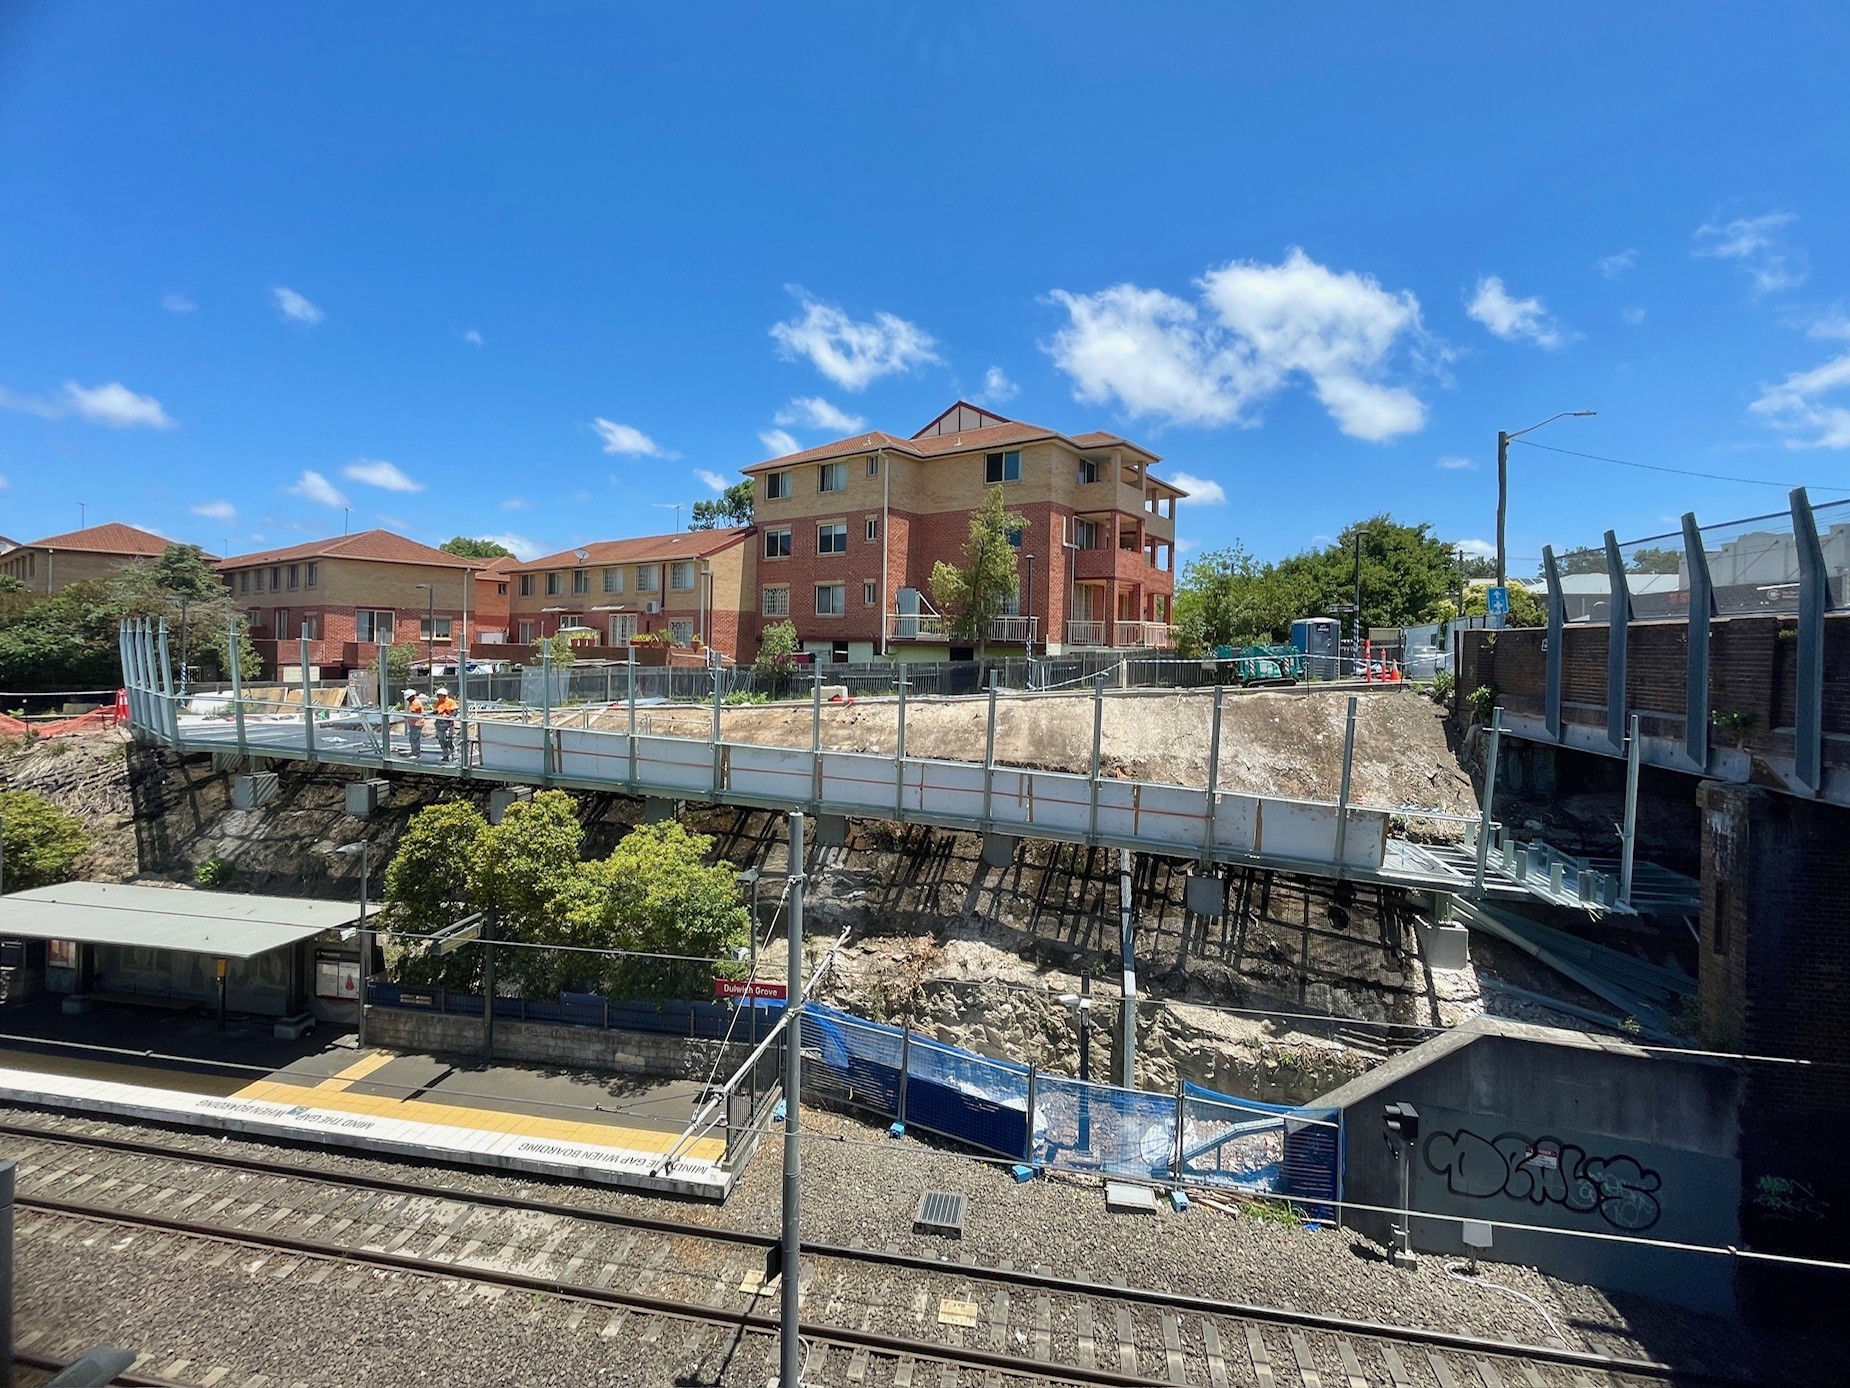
pixel 526 633
pixel 776 486
pixel 311 625
pixel 873 527
pixel 613 580
pixel 244 581
pixel 295 575
pixel 832 538
pixel 555 584
pixel 832 477
pixel 257 584
pixel 1085 534
pixel 442 632
pixel 777 602
pixel 1088 471
pixel 1128 538
pixel 831 599
pixel 370 625
pixel 681 633
pixel 648 578
pixel 873 466
pixel 1015 537
pixel 314 573
pixel 255 618
pixel 581 582
pixel 681 576
pixel 526 585
pixel 281 623
pixel 777 543
pixel 1003 467
pixel 276 578
pixel 501 590
pixel 870 593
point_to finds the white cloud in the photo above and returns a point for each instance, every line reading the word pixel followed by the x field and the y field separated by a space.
pixel 852 352
pixel 4 484
pixel 998 389
pixel 1263 325
pixel 516 503
pixel 1760 248
pixel 473 338
pixel 622 438
pixel 294 308
pixel 712 479
pixel 1633 316
pixel 1615 265
pixel 1796 406
pixel 216 510
pixel 1829 325
pixel 312 486
pixel 1514 320
pixel 778 442
pixel 1202 491
pixel 1477 549
pixel 383 475
pixel 1186 546
pixel 116 406
pixel 813 412
pixel 177 303
pixel 523 547
pixel 1451 462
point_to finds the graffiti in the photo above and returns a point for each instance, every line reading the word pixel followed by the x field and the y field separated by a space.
pixel 1787 1199
pixel 1546 1170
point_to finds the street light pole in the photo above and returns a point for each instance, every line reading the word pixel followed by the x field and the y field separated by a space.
pixel 1029 605
pixel 183 646
pixel 1503 477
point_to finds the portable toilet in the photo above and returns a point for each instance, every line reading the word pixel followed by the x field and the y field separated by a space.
pixel 1319 641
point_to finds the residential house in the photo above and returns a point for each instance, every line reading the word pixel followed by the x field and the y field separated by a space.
pixel 697 583
pixel 849 532
pixel 493 584
pixel 350 595
pixel 100 551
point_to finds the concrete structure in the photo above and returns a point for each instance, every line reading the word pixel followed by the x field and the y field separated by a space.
pixel 1534 1126
pixel 678 587
pixel 849 532
pixel 52 564
pixel 607 1051
pixel 354 594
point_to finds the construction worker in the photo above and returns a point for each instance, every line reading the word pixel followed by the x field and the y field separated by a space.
pixel 446 723
pixel 414 722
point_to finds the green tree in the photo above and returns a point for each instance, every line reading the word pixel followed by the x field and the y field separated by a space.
pixel 39 843
pixel 182 587
pixel 428 886
pixel 777 646
pixel 1526 609
pixel 521 865
pixel 465 548
pixel 1653 559
pixel 974 596
pixel 731 507
pixel 557 649
pixel 399 657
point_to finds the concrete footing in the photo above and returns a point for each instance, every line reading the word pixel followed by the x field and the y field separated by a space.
pixel 998 850
pixel 1205 894
pixel 831 830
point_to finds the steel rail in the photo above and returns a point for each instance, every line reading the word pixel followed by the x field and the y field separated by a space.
pixel 1160 1300
pixel 46 1364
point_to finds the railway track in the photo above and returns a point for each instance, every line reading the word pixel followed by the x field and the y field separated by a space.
pixel 874 1316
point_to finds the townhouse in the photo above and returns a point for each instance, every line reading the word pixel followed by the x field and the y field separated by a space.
pixel 685 589
pixel 52 564
pixel 848 533
pixel 351 594
pixel 493 584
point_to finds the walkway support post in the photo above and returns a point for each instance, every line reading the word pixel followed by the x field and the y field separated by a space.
pixel 1490 794
pixel 899 748
pixel 789 1346
pixel 1207 836
pixel 237 685
pixel 1619 609
pixel 815 737
pixel 1808 697
pixel 1701 609
pixel 718 752
pixel 488 985
pixel 631 668
pixel 308 698
pixel 1628 834
pixel 170 722
pixel 1552 663
pixel 989 753
pixel 1342 789
pixel 6 1273
pixel 545 713
pixel 385 715
pixel 462 704
pixel 1098 738
pixel 1127 944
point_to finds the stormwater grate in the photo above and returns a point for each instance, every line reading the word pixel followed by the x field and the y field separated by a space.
pixel 940 1212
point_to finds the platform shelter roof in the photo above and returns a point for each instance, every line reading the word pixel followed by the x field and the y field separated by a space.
pixel 225 925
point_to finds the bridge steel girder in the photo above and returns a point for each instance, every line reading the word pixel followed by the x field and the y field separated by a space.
pixel 1814 600
pixel 1557 618
pixel 1701 609
pixel 1619 606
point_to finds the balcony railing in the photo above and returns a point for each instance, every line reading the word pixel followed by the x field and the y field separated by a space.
pixel 1085 633
pixel 1119 634
pixel 930 626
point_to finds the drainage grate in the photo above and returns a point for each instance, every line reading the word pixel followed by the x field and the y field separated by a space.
pixel 940 1212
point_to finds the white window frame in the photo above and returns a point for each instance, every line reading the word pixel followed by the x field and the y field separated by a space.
pixel 373 614
pixel 681 576
pixel 840 608
pixel 873 465
pixel 681 633
pixel 776 486
pixel 1002 460
pixel 526 631
pixel 613 580
pixel 780 536
pixel 581 582
pixel 526 585
pixel 870 592
pixel 445 626
pixel 555 582
pixel 775 600
pixel 836 531
pixel 873 529
pixel 648 578
pixel 836 472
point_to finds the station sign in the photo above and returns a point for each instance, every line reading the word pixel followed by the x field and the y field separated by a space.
pixel 1497 601
pixel 746 988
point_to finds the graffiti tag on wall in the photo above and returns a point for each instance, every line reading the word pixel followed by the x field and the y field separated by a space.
pixel 1546 1170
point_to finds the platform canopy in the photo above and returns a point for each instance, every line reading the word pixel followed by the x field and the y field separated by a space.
pixel 225 925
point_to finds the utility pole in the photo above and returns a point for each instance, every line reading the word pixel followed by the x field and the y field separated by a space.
pixel 1503 496
pixel 790 1349
pixel 1459 556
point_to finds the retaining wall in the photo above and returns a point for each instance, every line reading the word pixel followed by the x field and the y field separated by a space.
pixel 620 1052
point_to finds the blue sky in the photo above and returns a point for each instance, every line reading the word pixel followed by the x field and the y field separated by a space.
pixel 542 271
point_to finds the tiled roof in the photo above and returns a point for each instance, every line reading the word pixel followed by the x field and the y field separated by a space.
pixel 110 538
pixel 937 445
pixel 380 546
pixel 644 549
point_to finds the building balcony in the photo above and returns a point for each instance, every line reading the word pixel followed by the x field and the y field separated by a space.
pixel 936 629
pixel 1120 635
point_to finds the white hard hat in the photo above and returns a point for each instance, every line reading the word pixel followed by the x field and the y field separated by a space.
pixel 442 689
pixel 411 693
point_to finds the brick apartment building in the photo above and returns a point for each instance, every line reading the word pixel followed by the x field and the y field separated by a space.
pixel 849 531
pixel 493 585
pixel 100 551
pixel 353 594
pixel 697 583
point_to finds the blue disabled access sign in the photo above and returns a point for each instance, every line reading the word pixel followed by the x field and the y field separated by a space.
pixel 1497 602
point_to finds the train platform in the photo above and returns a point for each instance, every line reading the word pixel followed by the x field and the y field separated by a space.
pixel 558 1123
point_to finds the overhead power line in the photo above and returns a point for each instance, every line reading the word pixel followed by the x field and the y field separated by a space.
pixel 1679 471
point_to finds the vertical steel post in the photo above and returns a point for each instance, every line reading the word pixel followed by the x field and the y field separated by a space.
pixel 308 698
pixel 815 737
pixel 170 726
pixel 1701 609
pixel 1085 1060
pixel 989 753
pixel 789 1347
pixel 718 751
pixel 899 748
pixel 366 948
pixel 385 714
pixel 6 1272
pixel 1027 1136
pixel 462 705
pixel 1127 945
pixel 1619 610
pixel 1628 835
pixel 1342 786
pixel 631 669
pixel 1490 794
pixel 488 986
pixel 1808 697
pixel 545 714
pixel 1098 740
pixel 905 1069
pixel 237 687
pixel 1553 660
pixel 1207 836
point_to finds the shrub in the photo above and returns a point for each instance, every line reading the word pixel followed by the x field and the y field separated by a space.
pixel 213 872
pixel 39 843
pixel 1482 700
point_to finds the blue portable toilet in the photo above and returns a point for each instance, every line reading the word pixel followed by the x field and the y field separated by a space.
pixel 1319 641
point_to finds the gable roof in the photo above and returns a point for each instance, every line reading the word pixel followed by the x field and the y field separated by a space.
pixel 684 544
pixel 1003 433
pixel 110 538
pixel 379 546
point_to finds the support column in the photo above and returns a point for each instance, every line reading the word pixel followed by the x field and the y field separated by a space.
pixel 1127 945
pixel 1808 697
pixel 1619 609
pixel 989 752
pixel 631 668
pixel 1342 789
pixel 899 749
pixel 1701 609
pixel 308 697
pixel 1557 618
pixel 790 1352
pixel 1098 736
pixel 237 687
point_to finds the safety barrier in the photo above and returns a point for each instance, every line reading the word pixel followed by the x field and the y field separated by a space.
pixel 708 1021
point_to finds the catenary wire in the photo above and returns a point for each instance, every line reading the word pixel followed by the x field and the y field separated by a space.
pixel 1680 472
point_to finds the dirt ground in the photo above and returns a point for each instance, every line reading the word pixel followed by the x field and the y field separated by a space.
pixel 1286 743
